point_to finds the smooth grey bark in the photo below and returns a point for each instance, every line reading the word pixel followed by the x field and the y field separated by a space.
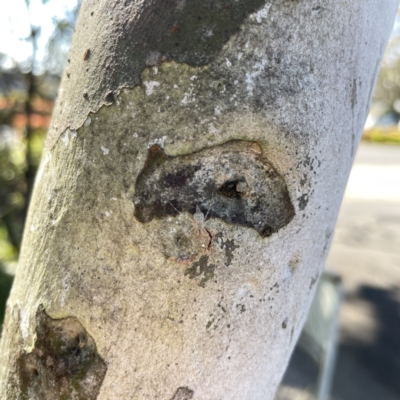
pixel 187 196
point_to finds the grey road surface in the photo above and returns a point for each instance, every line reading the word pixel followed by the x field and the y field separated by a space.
pixel 366 253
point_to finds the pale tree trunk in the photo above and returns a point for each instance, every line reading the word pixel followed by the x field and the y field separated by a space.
pixel 187 196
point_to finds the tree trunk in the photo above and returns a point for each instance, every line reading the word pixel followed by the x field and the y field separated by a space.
pixel 179 226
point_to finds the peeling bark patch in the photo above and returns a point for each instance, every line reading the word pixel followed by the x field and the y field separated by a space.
pixel 183 393
pixel 233 182
pixel 201 267
pixel 146 34
pixel 64 363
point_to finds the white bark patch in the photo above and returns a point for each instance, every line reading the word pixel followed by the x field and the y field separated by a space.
pixel 159 141
pixel 65 289
pixel 288 272
pixel 88 121
pixel 250 84
pixel 39 174
pixel 24 322
pixel 212 129
pixel 228 63
pixel 258 68
pixel 105 150
pixel 150 86
pixel 188 97
pixel 65 138
pixel 261 14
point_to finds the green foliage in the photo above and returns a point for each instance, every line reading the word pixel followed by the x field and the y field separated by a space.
pixel 387 90
pixel 12 192
pixel 15 149
pixel 7 251
pixel 383 134
pixel 35 144
pixel 5 287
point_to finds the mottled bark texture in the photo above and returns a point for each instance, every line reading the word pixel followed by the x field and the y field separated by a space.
pixel 187 196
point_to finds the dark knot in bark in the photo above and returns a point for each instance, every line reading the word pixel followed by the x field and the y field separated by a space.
pixel 233 182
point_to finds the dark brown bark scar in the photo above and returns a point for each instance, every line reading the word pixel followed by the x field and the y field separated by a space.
pixel 233 182
pixel 183 393
pixel 63 364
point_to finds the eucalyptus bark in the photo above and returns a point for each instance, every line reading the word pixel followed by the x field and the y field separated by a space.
pixel 187 196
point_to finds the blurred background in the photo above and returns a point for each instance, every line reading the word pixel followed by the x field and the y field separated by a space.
pixel 35 36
